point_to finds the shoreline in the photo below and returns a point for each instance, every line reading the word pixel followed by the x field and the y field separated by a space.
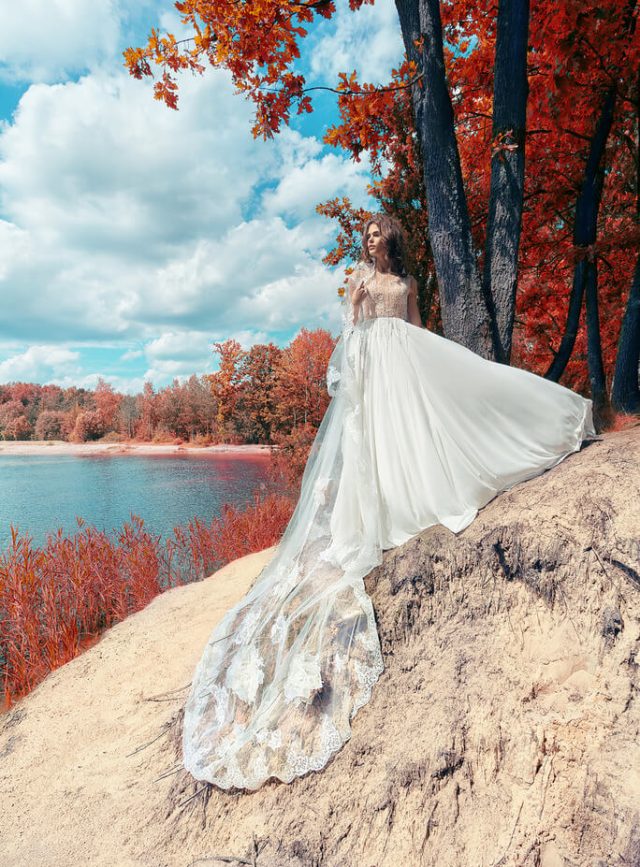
pixel 60 447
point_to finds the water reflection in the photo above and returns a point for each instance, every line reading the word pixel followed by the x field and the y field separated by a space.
pixel 41 494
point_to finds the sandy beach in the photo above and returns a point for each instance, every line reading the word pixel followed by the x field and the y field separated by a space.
pixel 60 447
pixel 507 713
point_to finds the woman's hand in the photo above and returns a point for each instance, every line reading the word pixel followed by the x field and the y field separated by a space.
pixel 413 313
pixel 358 295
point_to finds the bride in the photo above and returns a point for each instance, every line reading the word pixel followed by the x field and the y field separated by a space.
pixel 419 431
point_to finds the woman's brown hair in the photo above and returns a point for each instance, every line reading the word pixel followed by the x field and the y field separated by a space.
pixel 394 240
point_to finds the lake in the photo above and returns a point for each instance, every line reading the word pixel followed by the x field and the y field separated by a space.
pixel 39 494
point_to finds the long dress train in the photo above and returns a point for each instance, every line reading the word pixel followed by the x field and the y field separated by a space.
pixel 419 431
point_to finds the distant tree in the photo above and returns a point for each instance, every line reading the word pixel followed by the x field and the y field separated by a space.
pixel 201 404
pixel 18 429
pixel 225 386
pixel 9 412
pixel 107 403
pixel 88 426
pixel 128 414
pixel 51 425
pixel 169 409
pixel 258 411
pixel 147 413
pixel 301 393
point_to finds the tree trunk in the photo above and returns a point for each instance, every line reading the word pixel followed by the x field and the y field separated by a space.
pixel 585 231
pixel 465 317
pixel 510 92
pixel 625 395
pixel 595 363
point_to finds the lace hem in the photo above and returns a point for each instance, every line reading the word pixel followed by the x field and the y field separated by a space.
pixel 288 668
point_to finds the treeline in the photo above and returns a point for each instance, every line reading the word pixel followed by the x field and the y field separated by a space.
pixel 260 395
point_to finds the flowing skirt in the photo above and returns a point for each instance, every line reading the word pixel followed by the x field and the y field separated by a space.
pixel 419 431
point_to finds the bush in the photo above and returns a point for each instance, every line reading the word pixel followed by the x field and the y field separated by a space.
pixel 289 459
pixel 56 598
pixel 50 425
pixel 18 429
pixel 162 435
pixel 112 437
pixel 202 440
pixel 88 426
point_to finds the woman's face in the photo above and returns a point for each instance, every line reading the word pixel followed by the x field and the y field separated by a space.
pixel 375 242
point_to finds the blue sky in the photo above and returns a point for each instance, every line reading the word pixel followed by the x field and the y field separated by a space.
pixel 131 236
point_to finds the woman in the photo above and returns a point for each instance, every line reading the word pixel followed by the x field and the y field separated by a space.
pixel 419 431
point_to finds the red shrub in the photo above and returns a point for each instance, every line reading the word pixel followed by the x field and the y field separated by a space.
pixel 54 600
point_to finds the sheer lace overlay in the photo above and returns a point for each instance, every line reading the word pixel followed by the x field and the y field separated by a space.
pixel 386 296
pixel 288 667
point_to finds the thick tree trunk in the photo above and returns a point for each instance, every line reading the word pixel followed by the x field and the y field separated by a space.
pixel 625 395
pixel 585 231
pixel 465 317
pixel 507 172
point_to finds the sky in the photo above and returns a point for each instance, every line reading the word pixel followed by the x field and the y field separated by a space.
pixel 132 237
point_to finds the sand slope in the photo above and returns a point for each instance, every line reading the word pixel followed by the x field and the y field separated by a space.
pixel 67 776
pixel 505 729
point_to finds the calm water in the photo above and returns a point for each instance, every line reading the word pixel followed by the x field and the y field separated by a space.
pixel 40 494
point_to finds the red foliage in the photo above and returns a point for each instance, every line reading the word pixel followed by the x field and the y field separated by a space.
pixel 18 428
pixel 289 459
pixel 55 599
pixel 107 403
pixel 300 392
pixel 578 50
pixel 88 426
pixel 245 401
pixel 50 425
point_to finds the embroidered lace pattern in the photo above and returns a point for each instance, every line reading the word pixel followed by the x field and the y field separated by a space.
pixel 289 666
pixel 386 296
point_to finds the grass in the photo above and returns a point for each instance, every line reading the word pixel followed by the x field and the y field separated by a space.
pixel 56 600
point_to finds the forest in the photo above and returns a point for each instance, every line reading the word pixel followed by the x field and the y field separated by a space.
pixel 258 395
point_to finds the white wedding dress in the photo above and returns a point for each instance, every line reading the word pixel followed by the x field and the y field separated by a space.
pixel 419 431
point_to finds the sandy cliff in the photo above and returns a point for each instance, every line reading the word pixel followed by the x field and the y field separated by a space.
pixel 504 730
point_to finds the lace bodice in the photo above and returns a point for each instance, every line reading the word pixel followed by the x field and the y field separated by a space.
pixel 386 294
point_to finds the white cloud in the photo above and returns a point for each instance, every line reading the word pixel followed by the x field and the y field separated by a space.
pixel 125 223
pixel 369 41
pixel 185 345
pixel 39 363
pixel 125 217
pixel 43 41
pixel 100 165
pixel 130 354
pixel 314 181
pixel 121 384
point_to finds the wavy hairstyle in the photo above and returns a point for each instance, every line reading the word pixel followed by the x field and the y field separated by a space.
pixel 394 240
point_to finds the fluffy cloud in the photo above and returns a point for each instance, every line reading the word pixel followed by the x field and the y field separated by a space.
pixel 45 41
pixel 124 216
pixel 99 166
pixel 368 41
pixel 313 181
pixel 40 363
pixel 156 232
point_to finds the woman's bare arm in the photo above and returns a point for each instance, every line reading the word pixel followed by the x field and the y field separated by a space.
pixel 412 304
